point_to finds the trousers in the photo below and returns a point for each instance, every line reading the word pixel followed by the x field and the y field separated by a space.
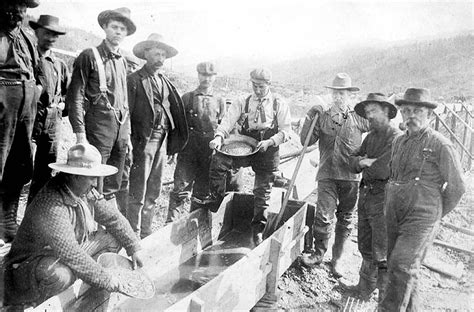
pixel 145 182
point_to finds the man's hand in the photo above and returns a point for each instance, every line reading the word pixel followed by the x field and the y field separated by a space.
pixel 216 143
pixel 137 259
pixel 315 110
pixel 366 162
pixel 172 159
pixel 265 144
pixel 115 284
pixel 81 138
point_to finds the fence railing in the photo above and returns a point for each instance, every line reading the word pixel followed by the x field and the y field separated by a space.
pixel 459 127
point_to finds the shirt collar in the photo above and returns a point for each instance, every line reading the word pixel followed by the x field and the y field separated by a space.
pixel 418 135
pixel 108 53
pixel 268 97
pixel 150 73
pixel 200 91
pixel 49 55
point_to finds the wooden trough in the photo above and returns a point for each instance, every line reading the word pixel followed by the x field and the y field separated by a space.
pixel 204 262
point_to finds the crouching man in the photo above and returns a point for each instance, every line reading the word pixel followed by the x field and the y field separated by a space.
pixel 60 235
pixel 265 117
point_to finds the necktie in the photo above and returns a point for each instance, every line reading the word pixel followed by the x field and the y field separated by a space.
pixel 260 111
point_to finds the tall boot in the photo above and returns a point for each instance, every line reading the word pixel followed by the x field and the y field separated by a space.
pixel 342 234
pixel 367 280
pixel 321 242
pixel 9 223
pixel 382 282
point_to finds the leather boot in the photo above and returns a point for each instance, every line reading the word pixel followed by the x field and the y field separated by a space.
pixel 367 280
pixel 337 250
pixel 382 282
pixel 9 225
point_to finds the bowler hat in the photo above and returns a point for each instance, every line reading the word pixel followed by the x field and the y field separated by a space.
pixel 417 96
pixel 85 160
pixel 120 14
pixel 342 81
pixel 48 22
pixel 261 75
pixel 378 98
pixel 153 41
pixel 206 68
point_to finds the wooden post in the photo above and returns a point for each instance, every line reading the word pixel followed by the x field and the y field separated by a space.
pixel 453 126
pixel 464 135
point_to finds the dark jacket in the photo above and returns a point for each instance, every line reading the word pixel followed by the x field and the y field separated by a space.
pixel 142 114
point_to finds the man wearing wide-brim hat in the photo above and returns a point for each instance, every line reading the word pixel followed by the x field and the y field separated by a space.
pixel 51 104
pixel 61 233
pixel 97 97
pixel 425 184
pixel 339 130
pixel 372 159
pixel 158 127
pixel 21 83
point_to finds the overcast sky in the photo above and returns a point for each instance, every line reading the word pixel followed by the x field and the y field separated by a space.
pixel 270 29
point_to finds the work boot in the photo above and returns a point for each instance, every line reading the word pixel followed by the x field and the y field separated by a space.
pixel 337 251
pixel 9 225
pixel 311 259
pixel 363 289
pixel 382 282
pixel 257 234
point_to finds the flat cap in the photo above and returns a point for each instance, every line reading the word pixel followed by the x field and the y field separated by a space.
pixel 259 75
pixel 206 68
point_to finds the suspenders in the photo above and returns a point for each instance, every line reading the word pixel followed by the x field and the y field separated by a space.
pixel 103 87
pixel 274 124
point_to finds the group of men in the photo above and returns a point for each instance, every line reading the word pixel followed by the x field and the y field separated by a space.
pixel 409 182
pixel 126 122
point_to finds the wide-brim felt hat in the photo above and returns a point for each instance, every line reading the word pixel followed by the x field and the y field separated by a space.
pixel 342 81
pixel 417 96
pixel 153 41
pixel 48 22
pixel 120 14
pixel 378 98
pixel 237 141
pixel 85 160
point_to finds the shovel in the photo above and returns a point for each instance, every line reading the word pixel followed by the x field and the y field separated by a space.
pixel 272 226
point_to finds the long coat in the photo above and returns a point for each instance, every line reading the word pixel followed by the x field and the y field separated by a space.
pixel 142 113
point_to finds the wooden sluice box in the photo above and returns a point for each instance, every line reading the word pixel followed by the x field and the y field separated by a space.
pixel 204 262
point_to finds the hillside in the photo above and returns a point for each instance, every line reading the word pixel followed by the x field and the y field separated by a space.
pixel 443 65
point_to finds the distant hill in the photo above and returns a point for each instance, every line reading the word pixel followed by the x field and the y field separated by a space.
pixel 443 65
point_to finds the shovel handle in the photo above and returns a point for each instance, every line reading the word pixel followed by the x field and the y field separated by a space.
pixel 295 173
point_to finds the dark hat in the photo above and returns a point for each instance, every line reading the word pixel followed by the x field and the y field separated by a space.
pixel 259 75
pixel 48 22
pixel 206 68
pixel 120 14
pixel 29 3
pixel 378 98
pixel 153 41
pixel 342 82
pixel 417 96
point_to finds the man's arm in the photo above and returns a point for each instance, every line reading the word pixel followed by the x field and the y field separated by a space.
pixel 54 227
pixel 76 101
pixel 355 164
pixel 284 123
pixel 230 119
pixel 314 112
pixel 451 171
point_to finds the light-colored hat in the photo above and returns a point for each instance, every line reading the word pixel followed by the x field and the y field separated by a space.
pixel 85 160
pixel 342 82
pixel 120 14
pixel 378 98
pixel 260 75
pixel 206 68
pixel 48 22
pixel 417 96
pixel 154 40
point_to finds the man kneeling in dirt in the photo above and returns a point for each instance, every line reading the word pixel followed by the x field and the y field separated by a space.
pixel 266 118
pixel 59 238
pixel 372 159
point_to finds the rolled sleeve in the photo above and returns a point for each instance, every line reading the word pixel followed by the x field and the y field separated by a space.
pixel 230 119
pixel 284 123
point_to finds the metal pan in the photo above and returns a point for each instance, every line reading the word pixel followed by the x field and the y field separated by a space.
pixel 136 283
pixel 236 142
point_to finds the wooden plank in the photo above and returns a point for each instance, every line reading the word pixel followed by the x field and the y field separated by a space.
pixel 453 247
pixel 244 283
pixel 457 228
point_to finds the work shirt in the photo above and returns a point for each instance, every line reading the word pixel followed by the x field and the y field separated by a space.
pixel 237 113
pixel 377 144
pixel 430 157
pixel 204 111
pixel 84 88
pixel 19 59
pixel 54 70
pixel 57 223
pixel 339 138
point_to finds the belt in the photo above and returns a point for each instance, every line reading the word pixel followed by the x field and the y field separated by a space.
pixel 10 83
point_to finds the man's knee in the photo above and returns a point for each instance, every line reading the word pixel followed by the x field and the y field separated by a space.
pixel 53 277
